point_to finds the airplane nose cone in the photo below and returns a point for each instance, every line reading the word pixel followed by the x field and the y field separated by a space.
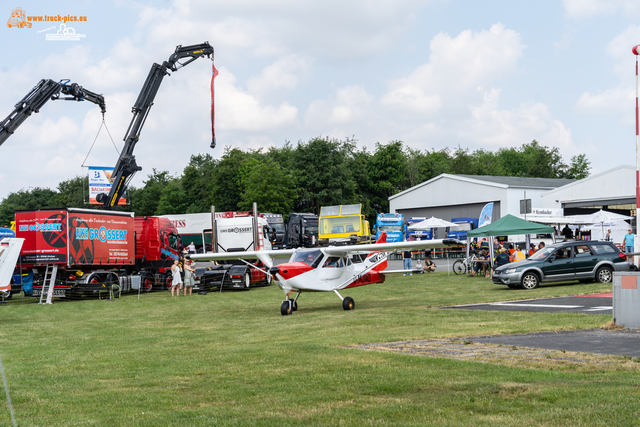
pixel 274 270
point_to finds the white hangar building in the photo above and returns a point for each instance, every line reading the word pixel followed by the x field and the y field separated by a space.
pixel 613 190
pixel 453 196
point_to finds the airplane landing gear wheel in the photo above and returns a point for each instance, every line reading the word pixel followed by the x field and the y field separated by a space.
pixel 285 308
pixel 348 303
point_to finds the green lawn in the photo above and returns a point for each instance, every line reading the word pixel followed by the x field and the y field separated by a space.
pixel 232 359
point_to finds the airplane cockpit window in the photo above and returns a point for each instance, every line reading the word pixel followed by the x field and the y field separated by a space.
pixel 333 262
pixel 311 258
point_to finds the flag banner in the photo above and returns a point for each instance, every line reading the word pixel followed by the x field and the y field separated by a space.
pixel 486 215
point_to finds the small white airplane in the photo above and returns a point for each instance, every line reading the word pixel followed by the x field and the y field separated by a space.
pixel 9 253
pixel 328 269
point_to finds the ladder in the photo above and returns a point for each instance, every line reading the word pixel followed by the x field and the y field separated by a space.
pixel 48 283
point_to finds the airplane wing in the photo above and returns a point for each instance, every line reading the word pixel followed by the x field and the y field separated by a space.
pixel 395 246
pixel 215 256
pixel 9 252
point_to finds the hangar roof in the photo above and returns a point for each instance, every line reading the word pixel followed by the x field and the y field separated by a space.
pixel 497 181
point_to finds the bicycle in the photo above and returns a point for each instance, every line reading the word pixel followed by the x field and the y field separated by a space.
pixel 465 266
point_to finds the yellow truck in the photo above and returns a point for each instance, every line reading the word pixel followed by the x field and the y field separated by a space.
pixel 342 225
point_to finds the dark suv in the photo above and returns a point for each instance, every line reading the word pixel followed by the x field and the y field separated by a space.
pixel 580 260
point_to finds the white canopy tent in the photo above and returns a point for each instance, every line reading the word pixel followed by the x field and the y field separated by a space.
pixel 432 222
pixel 618 230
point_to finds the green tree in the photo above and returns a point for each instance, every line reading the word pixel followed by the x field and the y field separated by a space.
pixel 322 175
pixel 36 198
pixel 227 182
pixel 579 167
pixel 387 174
pixel 198 183
pixel 270 186
pixel 73 193
pixel 173 199
pixel 144 201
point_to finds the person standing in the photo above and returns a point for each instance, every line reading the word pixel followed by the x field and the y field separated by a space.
pixel 192 248
pixel 176 281
pixel 608 236
pixel 501 259
pixel 629 241
pixel 189 274
pixel 407 261
pixel 519 255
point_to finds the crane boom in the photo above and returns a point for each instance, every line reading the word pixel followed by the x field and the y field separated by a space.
pixel 45 90
pixel 126 165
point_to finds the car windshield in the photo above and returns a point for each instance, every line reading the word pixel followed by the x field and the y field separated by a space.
pixel 542 254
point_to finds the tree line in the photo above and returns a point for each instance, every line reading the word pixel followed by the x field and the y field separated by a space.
pixel 303 177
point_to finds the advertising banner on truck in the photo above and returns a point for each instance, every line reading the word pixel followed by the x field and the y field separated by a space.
pixel 45 234
pixel 101 239
pixel 75 238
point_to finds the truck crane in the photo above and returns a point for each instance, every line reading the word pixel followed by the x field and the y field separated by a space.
pixel 45 90
pixel 126 165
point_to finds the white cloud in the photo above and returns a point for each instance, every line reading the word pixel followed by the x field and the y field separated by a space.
pixel 283 75
pixel 493 128
pixel 456 66
pixel 578 9
pixel 350 106
pixel 616 100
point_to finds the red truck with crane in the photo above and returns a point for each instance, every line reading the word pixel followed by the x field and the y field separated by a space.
pixel 100 251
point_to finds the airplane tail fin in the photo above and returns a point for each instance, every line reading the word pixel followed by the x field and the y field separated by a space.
pixel 383 265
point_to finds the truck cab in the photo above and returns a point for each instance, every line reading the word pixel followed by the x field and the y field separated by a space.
pixel 301 230
pixel 342 225
pixel 276 222
pixel 392 224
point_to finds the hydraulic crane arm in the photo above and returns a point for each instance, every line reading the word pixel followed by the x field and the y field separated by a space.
pixel 45 90
pixel 126 165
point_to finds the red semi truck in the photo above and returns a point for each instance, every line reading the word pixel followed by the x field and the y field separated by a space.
pixel 97 251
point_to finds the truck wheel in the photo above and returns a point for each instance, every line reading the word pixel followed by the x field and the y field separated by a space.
pixel 168 280
pixel 247 280
pixel 147 283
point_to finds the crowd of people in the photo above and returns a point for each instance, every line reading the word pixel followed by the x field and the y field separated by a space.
pixel 486 265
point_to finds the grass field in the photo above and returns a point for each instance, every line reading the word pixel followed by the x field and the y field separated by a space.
pixel 231 359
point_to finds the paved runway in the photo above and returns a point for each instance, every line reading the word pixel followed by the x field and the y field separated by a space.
pixel 599 341
pixel 592 304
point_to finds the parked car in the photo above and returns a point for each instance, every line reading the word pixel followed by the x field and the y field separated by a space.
pixel 579 260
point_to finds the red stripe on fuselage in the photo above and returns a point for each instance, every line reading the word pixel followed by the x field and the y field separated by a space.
pixel 293 269
pixel 367 278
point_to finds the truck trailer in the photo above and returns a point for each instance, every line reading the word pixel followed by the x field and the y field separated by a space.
pixel 237 232
pixel 85 252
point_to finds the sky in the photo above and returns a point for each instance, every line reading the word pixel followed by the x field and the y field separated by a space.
pixel 434 74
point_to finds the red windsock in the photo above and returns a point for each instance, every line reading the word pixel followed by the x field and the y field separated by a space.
pixel 213 111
